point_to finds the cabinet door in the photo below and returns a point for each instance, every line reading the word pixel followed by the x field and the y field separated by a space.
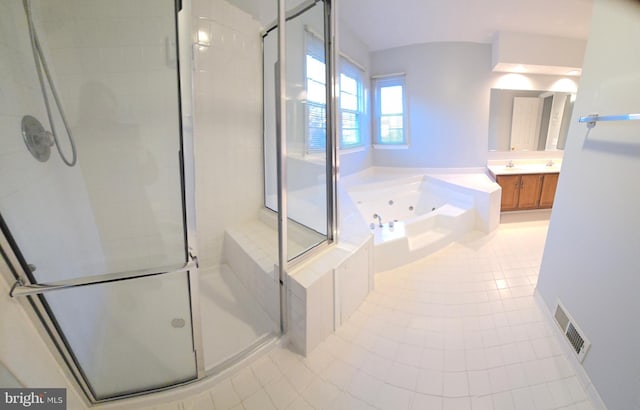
pixel 530 186
pixel 510 185
pixel 549 184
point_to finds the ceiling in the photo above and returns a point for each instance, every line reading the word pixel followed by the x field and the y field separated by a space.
pixel 383 24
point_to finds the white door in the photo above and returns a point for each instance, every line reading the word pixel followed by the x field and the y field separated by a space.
pixel 524 123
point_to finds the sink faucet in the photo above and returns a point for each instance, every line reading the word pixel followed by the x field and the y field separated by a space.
pixel 379 218
pixel 550 163
pixel 509 164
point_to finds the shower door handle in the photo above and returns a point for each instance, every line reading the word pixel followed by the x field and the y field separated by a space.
pixel 21 288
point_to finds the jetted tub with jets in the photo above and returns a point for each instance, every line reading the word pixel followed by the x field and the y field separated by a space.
pixel 413 216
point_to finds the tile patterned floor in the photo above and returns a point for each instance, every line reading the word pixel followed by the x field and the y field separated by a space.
pixel 456 330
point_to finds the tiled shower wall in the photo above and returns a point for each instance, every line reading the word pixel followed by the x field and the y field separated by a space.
pixel 227 83
pixel 110 64
pixel 119 208
pixel 23 180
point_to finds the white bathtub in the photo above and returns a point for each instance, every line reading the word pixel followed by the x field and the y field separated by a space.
pixel 420 214
pixel 399 200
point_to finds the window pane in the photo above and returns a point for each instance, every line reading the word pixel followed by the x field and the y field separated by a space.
pixel 391 100
pixel 391 131
pixel 349 120
pixel 316 127
pixel 395 136
pixel 350 129
pixel 316 92
pixel 316 116
pixel 395 121
pixel 315 69
pixel 348 102
pixel 348 84
pixel 350 137
pixel 316 100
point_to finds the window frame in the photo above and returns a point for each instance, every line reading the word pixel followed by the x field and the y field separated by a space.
pixel 378 84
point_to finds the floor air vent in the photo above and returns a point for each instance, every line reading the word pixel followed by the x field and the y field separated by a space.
pixel 573 334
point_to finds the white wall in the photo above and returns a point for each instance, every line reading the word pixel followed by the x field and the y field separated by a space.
pixel 227 84
pixel 591 259
pixel 449 87
pixel 537 50
pixel 448 96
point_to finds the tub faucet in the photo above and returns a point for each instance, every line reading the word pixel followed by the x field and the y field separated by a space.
pixel 379 218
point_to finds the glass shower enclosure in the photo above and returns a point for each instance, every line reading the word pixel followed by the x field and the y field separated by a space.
pixel 91 188
pixel 307 167
pixel 97 209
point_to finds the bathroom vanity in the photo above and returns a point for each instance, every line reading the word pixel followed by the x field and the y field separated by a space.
pixel 526 186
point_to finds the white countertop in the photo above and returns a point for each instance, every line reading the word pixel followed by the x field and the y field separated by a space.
pixel 539 168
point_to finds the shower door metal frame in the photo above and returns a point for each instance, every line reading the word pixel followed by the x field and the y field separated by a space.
pixel 330 43
pixel 332 157
pixel 29 293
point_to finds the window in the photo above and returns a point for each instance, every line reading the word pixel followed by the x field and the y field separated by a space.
pixel 351 105
pixel 316 104
pixel 391 114
pixel 351 101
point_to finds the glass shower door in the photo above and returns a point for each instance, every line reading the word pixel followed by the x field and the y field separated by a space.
pixel 308 185
pixel 103 240
pixel 307 130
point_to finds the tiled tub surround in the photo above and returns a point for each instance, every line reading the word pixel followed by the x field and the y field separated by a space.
pixel 323 291
pixel 428 210
pixel 250 249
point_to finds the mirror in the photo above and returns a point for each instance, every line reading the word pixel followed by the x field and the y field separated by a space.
pixel 526 120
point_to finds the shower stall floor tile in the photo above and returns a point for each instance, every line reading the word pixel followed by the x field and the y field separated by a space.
pixel 232 320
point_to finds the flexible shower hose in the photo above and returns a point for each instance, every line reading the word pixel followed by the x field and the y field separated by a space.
pixel 41 65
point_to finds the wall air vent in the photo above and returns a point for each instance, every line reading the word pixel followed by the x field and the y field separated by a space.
pixel 575 339
pixel 573 334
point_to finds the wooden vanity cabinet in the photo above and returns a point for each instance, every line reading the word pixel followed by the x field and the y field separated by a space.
pixel 527 191
pixel 510 185
pixel 548 192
